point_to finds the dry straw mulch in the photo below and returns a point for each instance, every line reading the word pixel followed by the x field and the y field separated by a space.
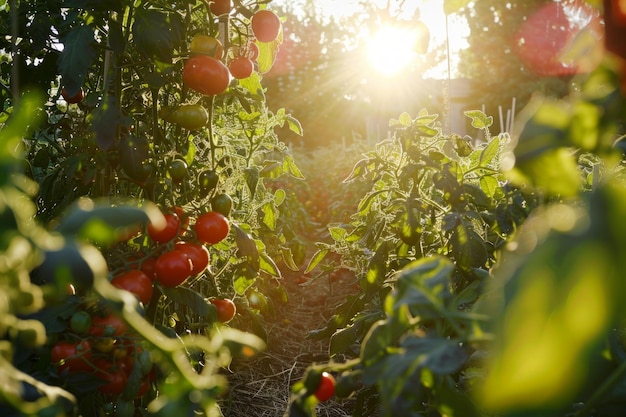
pixel 260 387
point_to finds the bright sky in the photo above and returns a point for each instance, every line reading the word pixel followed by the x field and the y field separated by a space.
pixel 431 12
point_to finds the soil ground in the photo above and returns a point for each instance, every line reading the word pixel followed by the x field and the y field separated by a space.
pixel 260 387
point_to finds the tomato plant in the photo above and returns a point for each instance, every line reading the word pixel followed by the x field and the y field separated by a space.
pixel 326 387
pixel 168 232
pixel 226 309
pixel 265 25
pixel 136 282
pixel 172 268
pixel 212 227
pixel 241 67
pixel 206 75
pixel 148 105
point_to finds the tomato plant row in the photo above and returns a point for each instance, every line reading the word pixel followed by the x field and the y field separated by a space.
pixel 153 145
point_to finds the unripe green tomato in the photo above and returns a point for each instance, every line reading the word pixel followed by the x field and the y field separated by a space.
pixel 80 322
pixel 206 45
pixel 207 181
pixel 177 170
pixel 222 203
pixel 188 116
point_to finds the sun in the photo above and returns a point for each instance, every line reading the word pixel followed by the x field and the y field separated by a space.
pixel 391 49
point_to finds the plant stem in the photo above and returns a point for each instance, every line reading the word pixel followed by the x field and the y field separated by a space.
pixel 616 377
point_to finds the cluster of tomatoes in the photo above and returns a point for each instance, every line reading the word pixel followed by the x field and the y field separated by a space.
pixel 181 253
pixel 205 71
pixel 98 342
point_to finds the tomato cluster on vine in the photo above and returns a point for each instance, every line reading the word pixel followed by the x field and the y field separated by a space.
pixel 97 342
pixel 205 71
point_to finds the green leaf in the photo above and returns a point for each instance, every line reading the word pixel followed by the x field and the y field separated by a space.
pixel 426 119
pixel 252 84
pixel 105 118
pixel 156 34
pixel 489 184
pixel 247 247
pixel 553 171
pixel 358 170
pixel 440 355
pixel 337 233
pixel 294 125
pixel 377 267
pixel 468 247
pixel 490 152
pixel 270 215
pixel 268 265
pixel 317 257
pixel 272 169
pixel 279 197
pixel 252 180
pixel 378 339
pixel 77 56
pixel 287 256
pixel 192 300
pixel 290 166
pixel 244 277
pixel 423 286
pixel 344 339
pixel 403 120
pixel 267 54
pixel 101 222
pixel 479 119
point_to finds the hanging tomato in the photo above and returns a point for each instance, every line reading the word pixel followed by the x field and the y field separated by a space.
pixel 561 38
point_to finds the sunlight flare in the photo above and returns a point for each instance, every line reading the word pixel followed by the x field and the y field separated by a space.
pixel 391 49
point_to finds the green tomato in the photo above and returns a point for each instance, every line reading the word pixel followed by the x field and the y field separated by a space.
pixel 188 116
pixel 207 181
pixel 222 203
pixel 80 322
pixel 178 170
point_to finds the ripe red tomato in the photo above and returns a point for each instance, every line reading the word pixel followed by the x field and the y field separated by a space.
pixel 226 309
pixel 76 98
pixel 326 389
pixel 169 232
pixel 76 356
pixel 206 45
pixel 265 25
pixel 197 254
pixel 212 227
pixel 206 75
pixel 114 377
pixel 172 268
pixel 147 266
pixel 221 7
pixel 136 282
pixel 107 326
pixel 241 67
